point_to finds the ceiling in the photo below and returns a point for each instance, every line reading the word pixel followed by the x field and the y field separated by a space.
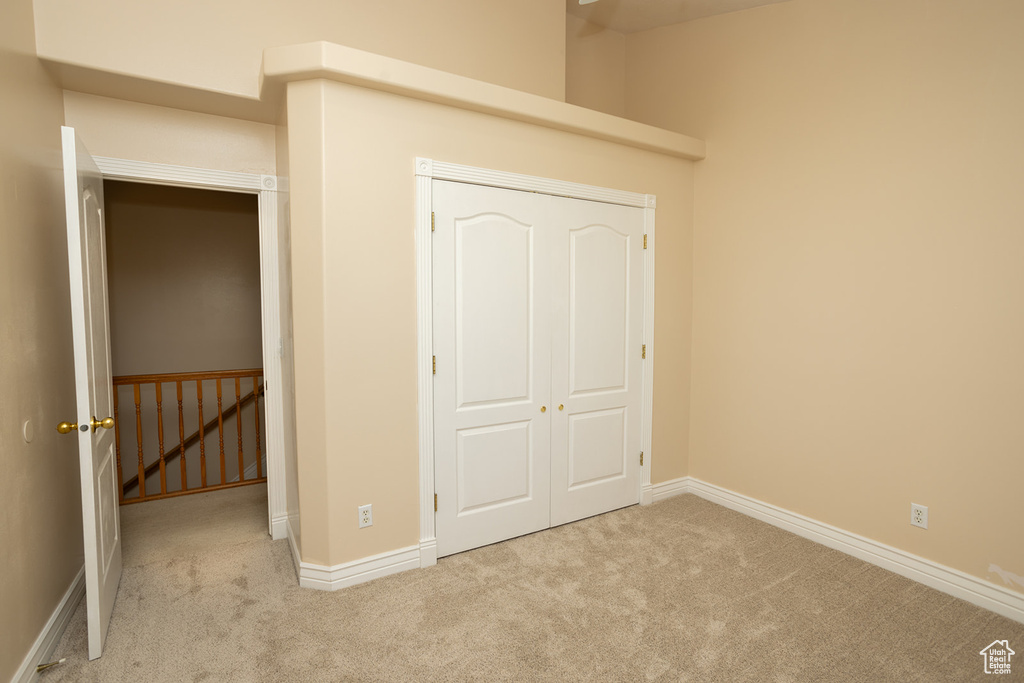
pixel 629 16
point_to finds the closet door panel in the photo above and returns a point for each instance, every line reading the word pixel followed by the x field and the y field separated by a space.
pixel 598 287
pixel 597 273
pixel 492 350
pixel 597 447
pixel 493 301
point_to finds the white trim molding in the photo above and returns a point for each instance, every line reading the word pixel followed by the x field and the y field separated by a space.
pixel 424 349
pixel 266 187
pixel 974 590
pixel 45 645
pixel 293 543
pixel 358 571
pixel 428 170
pixel 668 489
pixel 647 410
pixel 181 176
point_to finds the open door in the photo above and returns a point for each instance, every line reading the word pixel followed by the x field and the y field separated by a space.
pixel 87 265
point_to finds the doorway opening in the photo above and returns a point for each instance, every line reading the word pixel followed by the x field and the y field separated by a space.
pixel 186 340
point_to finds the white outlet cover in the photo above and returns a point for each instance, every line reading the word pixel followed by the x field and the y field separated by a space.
pixel 365 516
pixel 919 515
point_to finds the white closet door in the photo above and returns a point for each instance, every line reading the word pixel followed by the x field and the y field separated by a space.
pixel 596 366
pixel 492 349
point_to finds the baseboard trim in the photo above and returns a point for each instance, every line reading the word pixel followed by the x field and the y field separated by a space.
pixel 279 528
pixel 428 552
pixel 667 489
pixel 294 545
pixel 366 569
pixel 42 650
pixel 647 494
pixel 974 590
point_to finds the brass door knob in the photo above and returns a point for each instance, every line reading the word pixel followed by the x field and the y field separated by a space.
pixel 561 406
pixel 543 409
pixel 106 423
pixel 67 427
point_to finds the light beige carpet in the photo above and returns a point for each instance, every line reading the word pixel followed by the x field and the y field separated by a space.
pixel 683 590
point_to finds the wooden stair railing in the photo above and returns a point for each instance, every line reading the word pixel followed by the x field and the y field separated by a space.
pixel 176 451
pixel 199 436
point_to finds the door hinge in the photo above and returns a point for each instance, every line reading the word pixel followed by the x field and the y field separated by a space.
pixel 435 502
pixel 643 351
pixel 435 364
pixel 432 224
pixel 641 458
pixel 645 240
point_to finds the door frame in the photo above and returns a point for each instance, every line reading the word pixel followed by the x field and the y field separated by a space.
pixel 266 188
pixel 428 170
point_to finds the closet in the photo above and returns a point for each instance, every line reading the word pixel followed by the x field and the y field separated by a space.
pixel 537 323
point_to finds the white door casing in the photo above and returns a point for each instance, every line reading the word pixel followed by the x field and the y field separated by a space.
pixel 538 327
pixel 275 350
pixel 83 186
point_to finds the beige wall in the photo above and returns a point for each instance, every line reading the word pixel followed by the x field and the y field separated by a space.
pixel 352 156
pixel 595 66
pixel 858 290
pixel 143 132
pixel 219 46
pixel 183 271
pixel 41 524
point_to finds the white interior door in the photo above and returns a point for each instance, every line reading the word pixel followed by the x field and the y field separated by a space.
pixel 596 365
pixel 492 365
pixel 83 186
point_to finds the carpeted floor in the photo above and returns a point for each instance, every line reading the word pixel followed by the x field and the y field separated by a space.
pixel 683 590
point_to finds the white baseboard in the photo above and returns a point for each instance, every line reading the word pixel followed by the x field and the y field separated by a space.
pixel 428 552
pixel 667 489
pixel 646 494
pixel 974 590
pixel 46 643
pixel 279 528
pixel 358 571
pixel 293 543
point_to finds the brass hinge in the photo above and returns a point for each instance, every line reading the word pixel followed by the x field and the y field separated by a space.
pixel 643 351
pixel 435 364
pixel 432 228
pixel 435 502
pixel 641 458
pixel 645 241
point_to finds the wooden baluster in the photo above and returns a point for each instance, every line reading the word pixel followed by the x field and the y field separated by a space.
pixel 256 412
pixel 220 434
pixel 160 435
pixel 138 431
pixel 238 422
pixel 202 435
pixel 117 448
pixel 181 440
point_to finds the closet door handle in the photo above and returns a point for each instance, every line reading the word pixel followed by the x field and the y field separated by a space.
pixel 543 409
pixel 561 406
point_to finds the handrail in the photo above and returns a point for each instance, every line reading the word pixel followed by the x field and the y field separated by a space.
pixel 139 480
pixel 185 376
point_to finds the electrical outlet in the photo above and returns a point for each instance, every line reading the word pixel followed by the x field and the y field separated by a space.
pixel 919 515
pixel 365 516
